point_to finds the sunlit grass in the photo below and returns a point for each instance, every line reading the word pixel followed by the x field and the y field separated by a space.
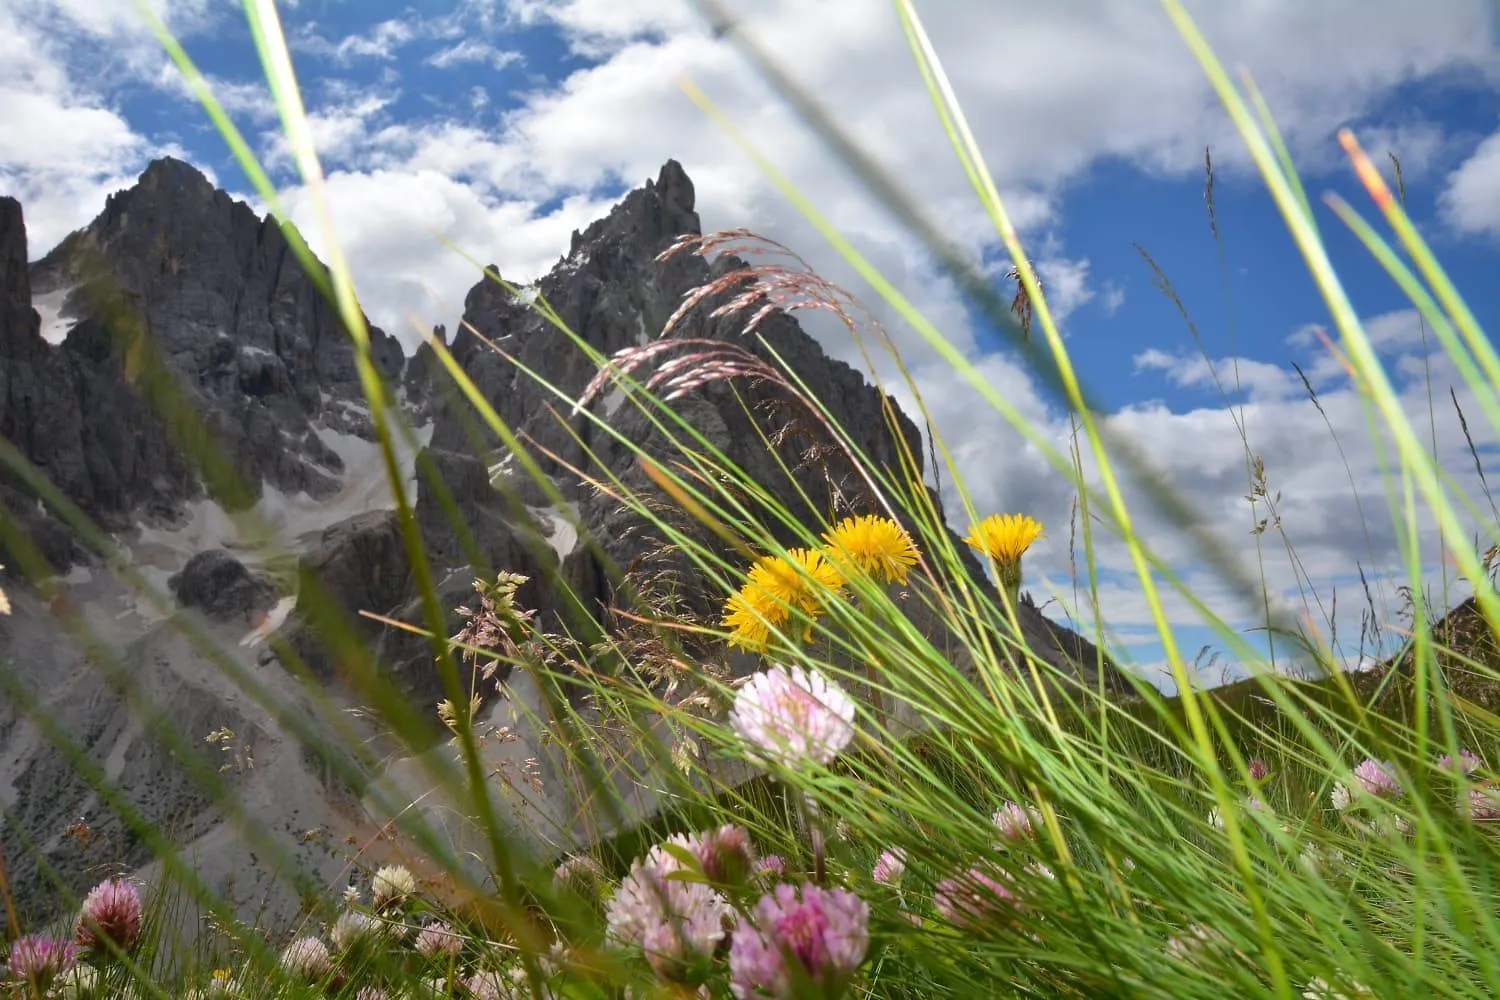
pixel 950 813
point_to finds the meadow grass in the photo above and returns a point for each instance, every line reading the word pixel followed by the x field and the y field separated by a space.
pixel 869 784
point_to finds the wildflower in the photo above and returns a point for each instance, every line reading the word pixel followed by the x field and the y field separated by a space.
pixel 791 715
pixel 306 958
pixel 78 983
pixel 1258 769
pixel 890 866
pixel 351 894
pixel 1464 761
pixel 818 936
pixel 1005 538
pixel 390 885
pixel 1377 778
pixel 749 618
pixel 1015 821
pixel 111 912
pixel 1341 798
pixel 973 898
pixel 771 865
pixel 39 960
pixel 372 993
pixel 351 928
pixel 1482 803
pixel 1251 804
pixel 802 579
pixel 677 923
pixel 725 855
pixel 438 941
pixel 580 872
pixel 874 545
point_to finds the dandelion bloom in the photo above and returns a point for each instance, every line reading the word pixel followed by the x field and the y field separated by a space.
pixel 802 579
pixel 875 545
pixel 1015 821
pixel 749 615
pixel 39 960
pixel 889 867
pixel 814 935
pixel 792 715
pixel 1004 537
pixel 110 912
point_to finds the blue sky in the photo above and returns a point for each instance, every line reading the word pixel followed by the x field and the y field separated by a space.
pixel 505 124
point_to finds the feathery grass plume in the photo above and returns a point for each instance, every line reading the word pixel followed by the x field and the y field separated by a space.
pixel 1004 538
pixel 871 544
pixel 1022 305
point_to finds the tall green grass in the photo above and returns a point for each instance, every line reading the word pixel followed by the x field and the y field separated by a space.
pixel 1215 843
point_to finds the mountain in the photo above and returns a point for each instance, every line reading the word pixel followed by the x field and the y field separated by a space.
pixel 184 383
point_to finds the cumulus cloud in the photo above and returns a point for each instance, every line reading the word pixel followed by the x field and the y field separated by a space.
pixel 1470 201
pixel 1052 89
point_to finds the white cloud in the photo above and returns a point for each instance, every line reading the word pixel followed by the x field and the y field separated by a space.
pixel 473 50
pixel 1051 89
pixel 1470 201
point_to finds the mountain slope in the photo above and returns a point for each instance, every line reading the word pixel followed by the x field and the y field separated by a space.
pixel 178 326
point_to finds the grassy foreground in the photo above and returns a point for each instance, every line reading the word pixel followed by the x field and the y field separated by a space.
pixel 954 818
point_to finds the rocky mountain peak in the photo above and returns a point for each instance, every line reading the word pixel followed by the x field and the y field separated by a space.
pixel 181 316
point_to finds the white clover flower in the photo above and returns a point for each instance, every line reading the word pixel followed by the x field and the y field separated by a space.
pixel 675 922
pixel 307 958
pixel 351 928
pixel 1341 797
pixel 391 884
pixel 81 982
pixel 791 716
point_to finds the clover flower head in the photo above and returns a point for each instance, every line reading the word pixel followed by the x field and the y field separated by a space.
pixel 37 959
pixel 890 866
pixel 790 715
pixel 306 958
pixel 391 884
pixel 795 935
pixel 110 912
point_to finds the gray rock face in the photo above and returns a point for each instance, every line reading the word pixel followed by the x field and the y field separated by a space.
pixel 199 351
pixel 196 335
pixel 219 584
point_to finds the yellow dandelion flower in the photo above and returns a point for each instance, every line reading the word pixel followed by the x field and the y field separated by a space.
pixel 1005 537
pixel 876 545
pixel 749 618
pixel 801 579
